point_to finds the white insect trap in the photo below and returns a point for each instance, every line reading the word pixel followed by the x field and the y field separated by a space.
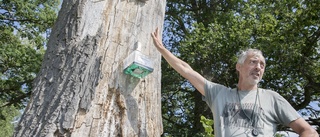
pixel 137 64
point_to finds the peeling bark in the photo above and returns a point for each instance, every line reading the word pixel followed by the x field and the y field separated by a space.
pixel 81 90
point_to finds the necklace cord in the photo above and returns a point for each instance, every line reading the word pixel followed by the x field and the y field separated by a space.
pixel 255 103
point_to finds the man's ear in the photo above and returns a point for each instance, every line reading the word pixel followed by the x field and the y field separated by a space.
pixel 238 66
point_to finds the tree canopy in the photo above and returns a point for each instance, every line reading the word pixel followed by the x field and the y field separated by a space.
pixel 209 34
pixel 24 27
pixel 6 120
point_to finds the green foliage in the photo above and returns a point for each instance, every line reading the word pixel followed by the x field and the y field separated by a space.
pixel 31 18
pixel 25 26
pixel 208 35
pixel 207 125
pixel 6 120
pixel 279 135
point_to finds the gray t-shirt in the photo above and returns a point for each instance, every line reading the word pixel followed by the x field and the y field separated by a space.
pixel 260 110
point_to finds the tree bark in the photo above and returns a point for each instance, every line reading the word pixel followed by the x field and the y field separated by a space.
pixel 81 90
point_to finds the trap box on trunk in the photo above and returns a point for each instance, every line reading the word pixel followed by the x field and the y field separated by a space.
pixel 138 65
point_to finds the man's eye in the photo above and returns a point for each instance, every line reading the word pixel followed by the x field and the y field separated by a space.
pixel 253 61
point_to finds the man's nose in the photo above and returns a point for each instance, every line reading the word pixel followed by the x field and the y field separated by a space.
pixel 258 66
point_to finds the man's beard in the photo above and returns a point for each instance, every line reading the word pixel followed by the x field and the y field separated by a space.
pixel 255 81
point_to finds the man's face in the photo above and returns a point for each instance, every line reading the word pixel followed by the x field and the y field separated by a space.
pixel 251 71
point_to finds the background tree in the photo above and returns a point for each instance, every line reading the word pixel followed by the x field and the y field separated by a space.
pixel 6 120
pixel 208 35
pixel 24 26
pixel 81 89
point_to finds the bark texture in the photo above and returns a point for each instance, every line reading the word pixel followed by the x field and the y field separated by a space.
pixel 81 90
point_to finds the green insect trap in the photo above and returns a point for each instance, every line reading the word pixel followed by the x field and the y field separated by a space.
pixel 137 64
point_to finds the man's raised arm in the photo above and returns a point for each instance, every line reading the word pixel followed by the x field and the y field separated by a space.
pixel 179 65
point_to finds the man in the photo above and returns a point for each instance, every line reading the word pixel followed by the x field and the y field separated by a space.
pixel 246 110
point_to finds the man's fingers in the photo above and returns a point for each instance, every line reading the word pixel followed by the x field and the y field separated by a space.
pixel 153 35
pixel 156 32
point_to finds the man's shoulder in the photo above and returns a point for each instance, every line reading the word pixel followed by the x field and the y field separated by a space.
pixel 269 92
pixel 216 87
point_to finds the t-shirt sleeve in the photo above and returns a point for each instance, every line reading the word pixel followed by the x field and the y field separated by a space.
pixel 211 92
pixel 285 113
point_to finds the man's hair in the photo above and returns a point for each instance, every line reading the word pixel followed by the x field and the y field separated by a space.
pixel 243 54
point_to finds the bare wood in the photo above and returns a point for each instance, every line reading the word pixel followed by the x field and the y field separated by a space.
pixel 81 90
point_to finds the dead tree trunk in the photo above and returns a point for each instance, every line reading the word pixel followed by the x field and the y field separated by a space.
pixel 81 90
